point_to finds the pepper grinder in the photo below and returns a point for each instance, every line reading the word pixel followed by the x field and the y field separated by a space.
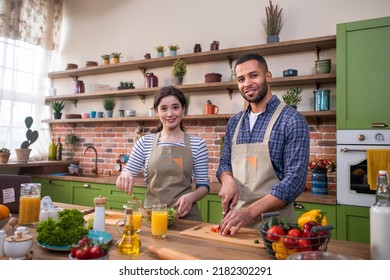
pixel 99 222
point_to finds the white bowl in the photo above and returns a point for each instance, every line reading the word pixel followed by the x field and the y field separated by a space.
pixel 18 246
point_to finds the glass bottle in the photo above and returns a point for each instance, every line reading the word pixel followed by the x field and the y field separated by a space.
pixel 79 87
pixel 99 222
pixel 52 151
pixel 59 149
pixel 379 220
pixel 129 242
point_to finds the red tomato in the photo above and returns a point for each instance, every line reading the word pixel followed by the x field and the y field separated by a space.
pixel 214 229
pixel 290 242
pixel 96 252
pixel 274 233
pixel 294 232
pixel 304 245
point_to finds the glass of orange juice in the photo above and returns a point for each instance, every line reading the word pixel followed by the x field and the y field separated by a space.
pixel 29 203
pixel 159 220
pixel 137 215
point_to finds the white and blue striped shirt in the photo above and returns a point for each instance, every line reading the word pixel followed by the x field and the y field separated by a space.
pixel 140 155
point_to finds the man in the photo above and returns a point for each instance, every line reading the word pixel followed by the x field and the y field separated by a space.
pixel 265 158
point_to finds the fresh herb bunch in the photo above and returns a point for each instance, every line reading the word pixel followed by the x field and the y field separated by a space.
pixel 67 230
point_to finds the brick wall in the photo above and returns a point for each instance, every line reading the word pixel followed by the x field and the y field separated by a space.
pixel 115 138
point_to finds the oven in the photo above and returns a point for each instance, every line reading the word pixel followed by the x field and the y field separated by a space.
pixel 352 146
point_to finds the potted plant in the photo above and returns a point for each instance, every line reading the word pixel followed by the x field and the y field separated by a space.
pixel 57 107
pixel 273 23
pixel 293 96
pixel 23 153
pixel 109 105
pixel 71 139
pixel 126 85
pixel 4 155
pixel 116 57
pixel 160 49
pixel 173 49
pixel 179 70
pixel 319 179
pixel 106 58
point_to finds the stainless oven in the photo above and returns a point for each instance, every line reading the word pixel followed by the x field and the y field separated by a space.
pixel 352 146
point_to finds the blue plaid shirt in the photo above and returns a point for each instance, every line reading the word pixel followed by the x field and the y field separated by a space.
pixel 289 147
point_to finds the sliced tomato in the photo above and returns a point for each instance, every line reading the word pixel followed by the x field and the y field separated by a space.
pixel 214 229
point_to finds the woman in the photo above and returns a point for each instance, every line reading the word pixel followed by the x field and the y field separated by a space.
pixel 170 159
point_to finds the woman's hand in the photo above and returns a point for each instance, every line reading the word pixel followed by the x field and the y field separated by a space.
pixel 125 182
pixel 184 204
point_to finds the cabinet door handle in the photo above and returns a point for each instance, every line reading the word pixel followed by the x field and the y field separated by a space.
pixel 86 185
pixel 298 206
pixel 380 125
pixel 51 182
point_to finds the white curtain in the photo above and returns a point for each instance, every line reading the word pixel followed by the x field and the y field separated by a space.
pixel 23 84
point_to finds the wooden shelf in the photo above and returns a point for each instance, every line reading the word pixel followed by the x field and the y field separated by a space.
pixel 312 44
pixel 228 86
pixel 307 114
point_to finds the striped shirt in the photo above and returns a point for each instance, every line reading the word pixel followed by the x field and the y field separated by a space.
pixel 139 158
pixel 289 147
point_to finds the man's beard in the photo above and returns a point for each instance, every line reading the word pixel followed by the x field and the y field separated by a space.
pixel 262 92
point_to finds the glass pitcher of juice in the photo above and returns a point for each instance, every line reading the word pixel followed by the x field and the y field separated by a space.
pixel 29 203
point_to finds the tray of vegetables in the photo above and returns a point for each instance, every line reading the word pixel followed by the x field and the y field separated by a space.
pixel 282 238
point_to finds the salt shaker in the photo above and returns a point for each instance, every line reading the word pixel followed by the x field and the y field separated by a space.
pixel 99 222
pixel 2 240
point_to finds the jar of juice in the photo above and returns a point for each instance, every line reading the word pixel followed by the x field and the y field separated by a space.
pixel 29 203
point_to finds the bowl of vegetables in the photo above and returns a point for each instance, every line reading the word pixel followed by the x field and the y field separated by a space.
pixel 173 214
pixel 89 249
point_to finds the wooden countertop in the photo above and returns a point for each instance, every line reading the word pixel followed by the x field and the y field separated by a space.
pixel 211 250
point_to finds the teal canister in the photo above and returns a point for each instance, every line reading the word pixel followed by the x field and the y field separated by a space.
pixel 321 99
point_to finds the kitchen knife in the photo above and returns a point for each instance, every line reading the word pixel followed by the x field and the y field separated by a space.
pixel 227 211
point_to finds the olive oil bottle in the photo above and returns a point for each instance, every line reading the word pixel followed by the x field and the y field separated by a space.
pixel 129 242
pixel 59 149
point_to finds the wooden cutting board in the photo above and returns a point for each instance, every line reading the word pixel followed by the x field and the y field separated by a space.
pixel 111 217
pixel 245 236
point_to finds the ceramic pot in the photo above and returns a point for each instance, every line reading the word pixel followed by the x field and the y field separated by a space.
pixel 17 247
pixel 4 157
pixel 212 77
pixel 272 38
pixel 319 183
pixel 57 115
pixel 22 155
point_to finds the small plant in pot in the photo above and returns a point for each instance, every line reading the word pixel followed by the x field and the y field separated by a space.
pixel 4 155
pixel 116 57
pixel 106 58
pixel 273 23
pixel 23 153
pixel 160 50
pixel 126 85
pixel 57 107
pixel 293 97
pixel 173 49
pixel 109 104
pixel 179 70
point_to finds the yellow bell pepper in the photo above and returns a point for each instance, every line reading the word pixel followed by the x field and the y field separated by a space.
pixel 281 252
pixel 314 215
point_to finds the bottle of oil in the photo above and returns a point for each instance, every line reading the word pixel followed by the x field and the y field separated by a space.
pixel 59 149
pixel 129 242
pixel 52 151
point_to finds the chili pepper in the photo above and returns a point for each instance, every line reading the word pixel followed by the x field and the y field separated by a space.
pixel 314 215
pixel 285 223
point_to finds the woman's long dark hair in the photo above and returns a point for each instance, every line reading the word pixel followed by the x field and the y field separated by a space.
pixel 170 91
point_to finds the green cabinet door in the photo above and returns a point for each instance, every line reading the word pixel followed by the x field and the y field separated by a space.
pixel 56 189
pixel 353 223
pixel 329 210
pixel 117 198
pixel 83 193
pixel 363 83
pixel 211 208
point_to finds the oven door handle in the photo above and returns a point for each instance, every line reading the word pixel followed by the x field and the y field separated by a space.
pixel 346 150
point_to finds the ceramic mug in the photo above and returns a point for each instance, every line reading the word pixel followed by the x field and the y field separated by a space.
pixel 92 114
pixel 121 113
pixel 211 109
pixel 85 115
pixel 100 114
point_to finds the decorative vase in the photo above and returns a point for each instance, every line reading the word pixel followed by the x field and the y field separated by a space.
pixel 57 115
pixel 4 157
pixel 321 99
pixel 22 155
pixel 319 183
pixel 272 38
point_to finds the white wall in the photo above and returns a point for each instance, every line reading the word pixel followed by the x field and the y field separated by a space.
pixel 135 27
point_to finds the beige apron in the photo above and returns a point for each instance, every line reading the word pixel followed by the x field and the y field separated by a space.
pixel 253 170
pixel 170 175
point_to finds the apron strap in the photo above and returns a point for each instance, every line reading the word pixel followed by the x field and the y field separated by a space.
pixel 275 116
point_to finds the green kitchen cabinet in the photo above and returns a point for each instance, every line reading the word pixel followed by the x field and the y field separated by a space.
pixel 329 210
pixel 56 189
pixel 353 223
pixel 116 198
pixel 363 74
pixel 83 193
pixel 211 208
